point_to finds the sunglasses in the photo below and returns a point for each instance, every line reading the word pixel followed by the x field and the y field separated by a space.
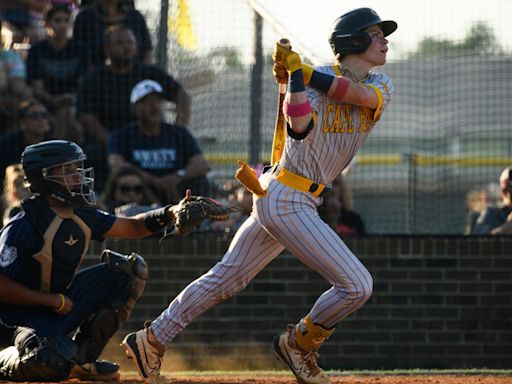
pixel 130 188
pixel 36 115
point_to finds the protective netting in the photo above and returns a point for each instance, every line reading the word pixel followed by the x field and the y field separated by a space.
pixel 443 140
pixel 445 134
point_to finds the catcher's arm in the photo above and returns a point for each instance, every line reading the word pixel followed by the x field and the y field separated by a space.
pixel 145 224
pixel 179 219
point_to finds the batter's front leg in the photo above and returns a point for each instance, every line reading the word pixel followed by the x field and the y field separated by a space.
pixel 250 251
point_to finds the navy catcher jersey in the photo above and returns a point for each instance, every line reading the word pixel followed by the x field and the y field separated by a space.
pixel 43 250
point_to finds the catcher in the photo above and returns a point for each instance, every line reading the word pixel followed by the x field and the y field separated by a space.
pixel 43 299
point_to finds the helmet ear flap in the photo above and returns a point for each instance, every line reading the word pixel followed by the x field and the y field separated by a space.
pixel 353 42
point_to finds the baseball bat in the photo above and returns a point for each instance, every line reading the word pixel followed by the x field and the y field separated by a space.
pixel 280 126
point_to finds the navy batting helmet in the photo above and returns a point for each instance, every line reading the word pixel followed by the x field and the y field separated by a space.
pixel 347 33
pixel 75 187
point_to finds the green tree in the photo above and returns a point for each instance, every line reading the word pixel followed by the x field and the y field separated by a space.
pixel 480 40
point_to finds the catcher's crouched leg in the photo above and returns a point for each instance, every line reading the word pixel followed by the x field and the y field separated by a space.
pixel 38 359
pixel 96 332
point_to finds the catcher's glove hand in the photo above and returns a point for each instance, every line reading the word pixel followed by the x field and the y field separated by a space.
pixel 192 210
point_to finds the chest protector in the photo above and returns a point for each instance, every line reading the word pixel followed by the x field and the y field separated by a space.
pixel 65 238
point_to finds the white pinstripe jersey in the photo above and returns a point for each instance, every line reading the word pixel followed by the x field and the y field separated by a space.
pixel 340 129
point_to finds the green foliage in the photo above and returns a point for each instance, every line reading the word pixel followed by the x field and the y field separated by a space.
pixel 480 40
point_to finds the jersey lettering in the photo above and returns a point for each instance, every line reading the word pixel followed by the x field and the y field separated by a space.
pixel 339 118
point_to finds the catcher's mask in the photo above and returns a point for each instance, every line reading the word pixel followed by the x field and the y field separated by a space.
pixel 347 33
pixel 56 168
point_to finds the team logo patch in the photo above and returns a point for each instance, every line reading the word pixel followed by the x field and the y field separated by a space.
pixel 7 256
pixel 71 241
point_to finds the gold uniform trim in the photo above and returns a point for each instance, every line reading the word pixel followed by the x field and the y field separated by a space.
pixel 44 256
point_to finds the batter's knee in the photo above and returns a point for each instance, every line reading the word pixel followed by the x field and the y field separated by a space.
pixel 358 289
pixel 223 281
pixel 363 287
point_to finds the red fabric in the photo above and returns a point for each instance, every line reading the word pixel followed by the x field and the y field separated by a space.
pixel 341 89
pixel 296 110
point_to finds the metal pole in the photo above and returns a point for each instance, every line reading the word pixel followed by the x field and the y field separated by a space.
pixel 411 193
pixel 256 92
pixel 161 48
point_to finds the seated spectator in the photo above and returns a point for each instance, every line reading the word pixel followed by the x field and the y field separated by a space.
pixel 126 192
pixel 33 128
pixel 54 66
pixel 167 155
pixel 92 22
pixel 241 198
pixel 497 220
pixel 336 210
pixel 14 191
pixel 13 87
pixel 104 93
pixel 476 202
pixel 24 19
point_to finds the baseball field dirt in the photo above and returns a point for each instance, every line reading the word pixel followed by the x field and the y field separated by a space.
pixel 256 378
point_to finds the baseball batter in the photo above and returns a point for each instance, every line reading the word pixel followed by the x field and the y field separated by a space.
pixel 326 123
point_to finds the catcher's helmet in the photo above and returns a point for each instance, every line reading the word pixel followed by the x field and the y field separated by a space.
pixel 347 33
pixel 76 188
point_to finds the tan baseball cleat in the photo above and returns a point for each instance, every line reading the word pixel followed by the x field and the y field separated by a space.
pixel 302 363
pixel 144 356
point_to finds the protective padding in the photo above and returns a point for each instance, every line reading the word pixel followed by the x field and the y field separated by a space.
pixel 51 360
pixel 310 336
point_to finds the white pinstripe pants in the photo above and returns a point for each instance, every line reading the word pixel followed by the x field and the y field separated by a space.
pixel 286 218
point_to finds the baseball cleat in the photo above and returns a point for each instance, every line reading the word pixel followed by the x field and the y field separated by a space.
pixel 102 370
pixel 303 364
pixel 144 356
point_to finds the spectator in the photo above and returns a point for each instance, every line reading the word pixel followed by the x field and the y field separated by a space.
pixel 33 128
pixel 13 86
pixel 167 155
pixel 241 198
pixel 497 220
pixel 92 22
pixel 104 93
pixel 126 191
pixel 54 66
pixel 14 191
pixel 24 19
pixel 476 202
pixel 336 210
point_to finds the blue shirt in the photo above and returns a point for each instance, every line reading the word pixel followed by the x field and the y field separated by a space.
pixel 159 155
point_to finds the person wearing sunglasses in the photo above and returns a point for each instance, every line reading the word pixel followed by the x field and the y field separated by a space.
pixel 125 193
pixel 33 127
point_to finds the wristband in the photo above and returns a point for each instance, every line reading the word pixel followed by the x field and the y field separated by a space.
pixel 297 82
pixel 62 303
pixel 341 89
pixel 157 219
pixel 296 110
pixel 321 81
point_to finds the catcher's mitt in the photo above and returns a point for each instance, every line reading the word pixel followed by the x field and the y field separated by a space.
pixel 190 212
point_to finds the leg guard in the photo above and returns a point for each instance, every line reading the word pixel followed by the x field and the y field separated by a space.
pixel 96 332
pixel 51 360
pixel 310 336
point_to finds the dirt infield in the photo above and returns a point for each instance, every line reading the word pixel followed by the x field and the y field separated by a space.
pixel 345 379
